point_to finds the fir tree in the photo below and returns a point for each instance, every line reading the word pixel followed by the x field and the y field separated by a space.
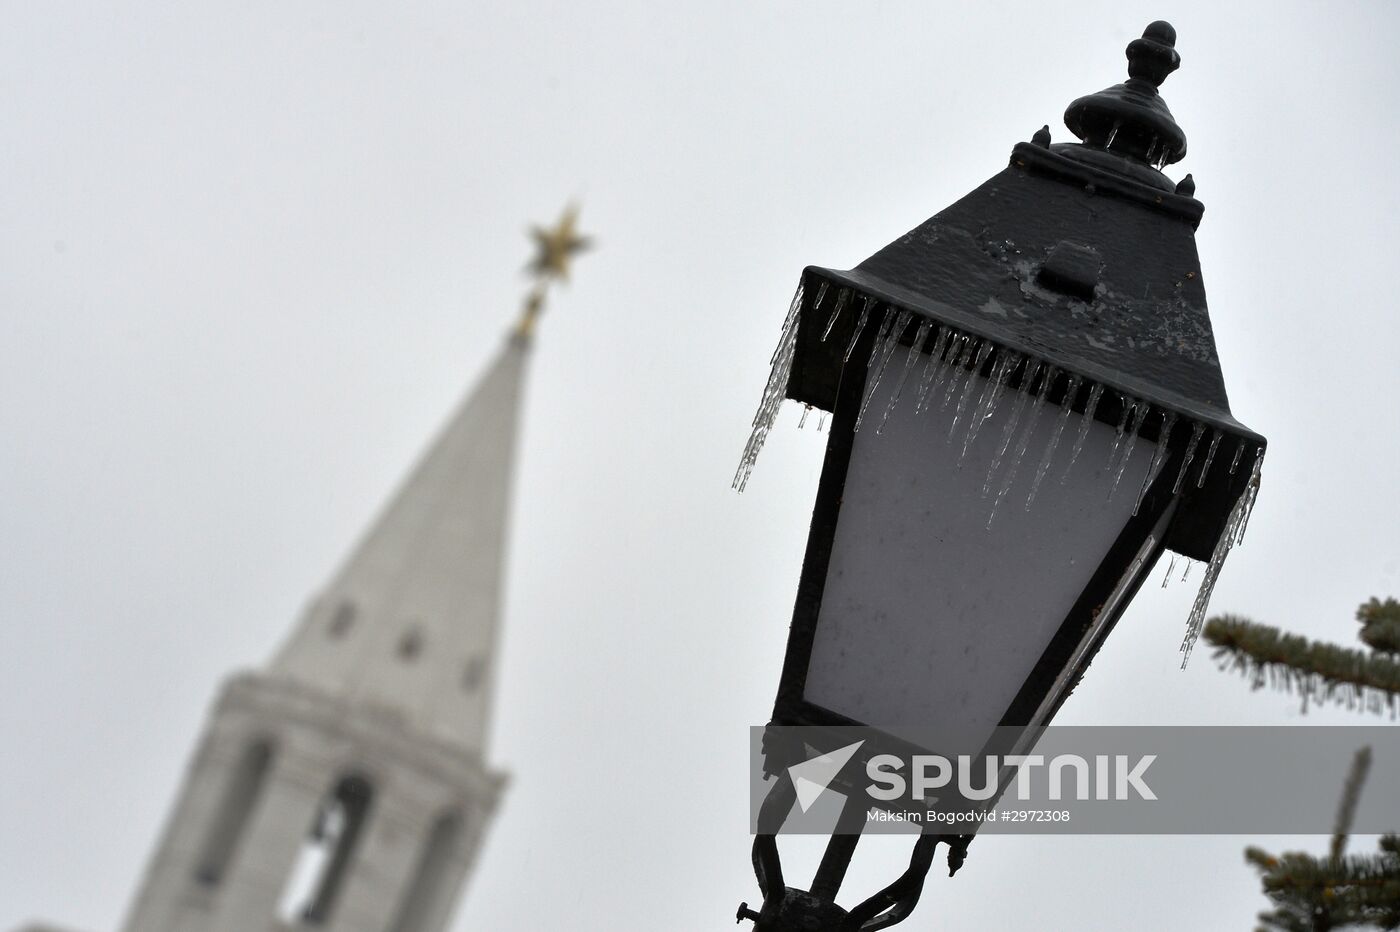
pixel 1308 893
pixel 1317 671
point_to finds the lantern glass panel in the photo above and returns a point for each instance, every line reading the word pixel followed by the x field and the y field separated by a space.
pixel 931 621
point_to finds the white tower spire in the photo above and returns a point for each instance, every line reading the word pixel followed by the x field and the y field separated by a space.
pixel 345 788
pixel 409 623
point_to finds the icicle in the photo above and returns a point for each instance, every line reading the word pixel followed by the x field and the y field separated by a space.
pixel 821 296
pixel 898 323
pixel 1006 363
pixel 886 324
pixel 1249 510
pixel 1036 407
pixel 842 297
pixel 1159 456
pixel 1171 568
pixel 1197 428
pixel 1032 370
pixel 1113 134
pixel 1238 516
pixel 1252 493
pixel 821 421
pixel 957 357
pixel 789 323
pixel 1215 437
pixel 860 328
pixel 773 393
pixel 920 336
pixel 1118 434
pixel 983 351
pixel 1187 572
pixel 1139 414
pixel 1087 421
pixel 970 347
pixel 1235 463
pixel 932 367
pixel 1066 409
pixel 802 421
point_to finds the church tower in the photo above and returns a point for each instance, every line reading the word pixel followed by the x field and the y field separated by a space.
pixel 345 786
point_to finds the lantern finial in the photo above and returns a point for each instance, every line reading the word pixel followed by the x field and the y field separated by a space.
pixel 1131 119
pixel 1154 56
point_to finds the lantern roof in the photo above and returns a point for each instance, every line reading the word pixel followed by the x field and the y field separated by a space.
pixel 1079 254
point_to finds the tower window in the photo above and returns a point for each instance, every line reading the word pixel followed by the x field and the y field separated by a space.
pixel 231 818
pixel 342 620
pixel 410 644
pixel 432 880
pixel 472 674
pixel 319 872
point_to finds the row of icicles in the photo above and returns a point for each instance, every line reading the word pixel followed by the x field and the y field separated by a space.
pixel 952 360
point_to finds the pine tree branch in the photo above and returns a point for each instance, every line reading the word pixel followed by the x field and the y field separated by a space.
pixel 1285 921
pixel 1298 872
pixel 1320 894
pixel 1380 625
pixel 1317 671
pixel 1312 894
pixel 1346 811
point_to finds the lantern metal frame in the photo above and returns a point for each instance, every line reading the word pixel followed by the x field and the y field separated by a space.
pixel 1080 257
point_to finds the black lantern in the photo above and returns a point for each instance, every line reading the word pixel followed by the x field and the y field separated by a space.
pixel 1027 409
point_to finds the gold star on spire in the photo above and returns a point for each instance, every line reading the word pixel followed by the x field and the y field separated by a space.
pixel 557 246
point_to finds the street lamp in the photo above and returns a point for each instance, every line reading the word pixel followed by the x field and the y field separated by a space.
pixel 1027 409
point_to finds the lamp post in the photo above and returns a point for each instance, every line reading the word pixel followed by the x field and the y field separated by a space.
pixel 1027 409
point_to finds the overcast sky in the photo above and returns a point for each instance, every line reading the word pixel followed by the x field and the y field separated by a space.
pixel 251 254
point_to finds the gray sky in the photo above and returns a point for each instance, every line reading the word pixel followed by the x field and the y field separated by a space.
pixel 252 254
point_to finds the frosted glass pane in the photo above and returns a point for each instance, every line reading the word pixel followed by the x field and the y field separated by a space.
pixel 931 622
